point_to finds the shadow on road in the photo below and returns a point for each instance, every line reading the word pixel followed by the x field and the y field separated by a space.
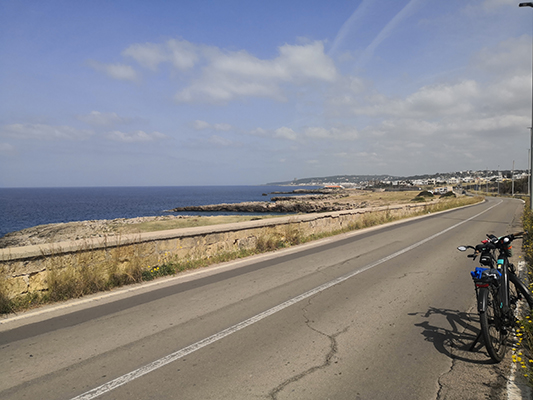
pixel 454 335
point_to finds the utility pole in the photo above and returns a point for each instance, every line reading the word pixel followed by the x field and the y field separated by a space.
pixel 530 183
pixel 498 180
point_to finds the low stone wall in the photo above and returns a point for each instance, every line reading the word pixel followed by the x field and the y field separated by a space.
pixel 25 269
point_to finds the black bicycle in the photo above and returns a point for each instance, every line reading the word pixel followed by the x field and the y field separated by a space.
pixel 499 293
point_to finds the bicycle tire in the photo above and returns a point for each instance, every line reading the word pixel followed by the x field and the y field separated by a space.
pixel 518 290
pixel 494 334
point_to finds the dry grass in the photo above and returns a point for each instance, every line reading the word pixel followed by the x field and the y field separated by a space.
pixel 6 305
pixel 377 199
pixel 189 222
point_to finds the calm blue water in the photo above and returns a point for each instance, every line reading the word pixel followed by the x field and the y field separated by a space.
pixel 26 207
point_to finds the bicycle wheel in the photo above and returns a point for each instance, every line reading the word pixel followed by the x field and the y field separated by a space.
pixel 518 291
pixel 492 329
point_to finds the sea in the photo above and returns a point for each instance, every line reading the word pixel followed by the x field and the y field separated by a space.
pixel 22 208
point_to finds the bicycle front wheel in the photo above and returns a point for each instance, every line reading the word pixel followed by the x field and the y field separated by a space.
pixel 492 328
pixel 518 291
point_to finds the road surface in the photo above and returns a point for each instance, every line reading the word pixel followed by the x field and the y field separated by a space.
pixel 384 313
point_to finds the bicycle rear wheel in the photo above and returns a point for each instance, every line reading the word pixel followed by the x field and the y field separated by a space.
pixel 492 328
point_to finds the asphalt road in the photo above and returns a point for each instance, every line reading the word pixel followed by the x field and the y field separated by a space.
pixel 384 313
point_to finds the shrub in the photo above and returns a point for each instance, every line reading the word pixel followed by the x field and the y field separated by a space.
pixel 6 306
pixel 448 194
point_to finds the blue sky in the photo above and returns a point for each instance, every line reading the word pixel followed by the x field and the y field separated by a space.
pixel 135 93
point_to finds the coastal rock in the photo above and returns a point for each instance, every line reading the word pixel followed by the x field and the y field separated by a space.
pixel 304 201
pixel 286 207
pixel 62 231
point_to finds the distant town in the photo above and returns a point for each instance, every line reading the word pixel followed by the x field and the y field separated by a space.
pixel 495 179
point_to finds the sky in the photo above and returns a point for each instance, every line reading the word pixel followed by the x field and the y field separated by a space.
pixel 244 92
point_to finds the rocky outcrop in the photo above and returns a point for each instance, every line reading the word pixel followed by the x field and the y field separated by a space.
pixel 286 207
pixel 309 191
pixel 306 201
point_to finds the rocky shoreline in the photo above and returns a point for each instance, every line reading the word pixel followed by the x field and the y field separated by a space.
pixel 76 230
pixel 280 206
pixel 320 200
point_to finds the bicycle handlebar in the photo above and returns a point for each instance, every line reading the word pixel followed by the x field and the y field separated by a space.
pixel 493 243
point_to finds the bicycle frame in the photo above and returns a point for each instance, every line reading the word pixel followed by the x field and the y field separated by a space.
pixel 503 264
pixel 503 287
pixel 497 305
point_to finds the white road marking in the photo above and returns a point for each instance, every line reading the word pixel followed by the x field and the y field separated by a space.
pixel 122 380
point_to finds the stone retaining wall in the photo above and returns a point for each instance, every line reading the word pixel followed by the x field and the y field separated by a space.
pixel 25 269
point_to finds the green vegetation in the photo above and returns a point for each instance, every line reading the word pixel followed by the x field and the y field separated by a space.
pixel 448 194
pixel 423 196
pixel 425 193
pixel 6 304
pixel 126 265
pixel 523 349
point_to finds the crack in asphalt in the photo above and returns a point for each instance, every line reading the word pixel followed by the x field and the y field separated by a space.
pixel 327 361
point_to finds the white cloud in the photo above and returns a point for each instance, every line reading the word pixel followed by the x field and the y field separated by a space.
pixel 428 102
pixel 336 133
pixel 222 127
pixel 495 100
pixel 6 148
pixel 181 54
pixel 222 76
pixel 97 118
pixel 116 71
pixel 230 75
pixel 507 58
pixel 285 133
pixel 202 125
pixel 137 136
pixel 220 141
pixel 148 55
pixel 259 132
pixel 317 132
pixel 215 87
pixel 44 132
pixel 443 124
pixel 439 100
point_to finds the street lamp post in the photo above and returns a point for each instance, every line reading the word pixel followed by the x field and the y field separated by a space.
pixel 498 180
pixel 530 4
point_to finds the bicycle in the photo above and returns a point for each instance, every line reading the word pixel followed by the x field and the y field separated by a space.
pixel 498 302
